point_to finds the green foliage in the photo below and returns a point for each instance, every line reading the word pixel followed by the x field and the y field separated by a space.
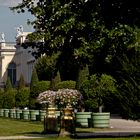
pixel 96 89
pixel 21 83
pixel 1 98
pixel 45 67
pixel 22 97
pixel 66 84
pixel 40 87
pixel 8 84
pixel 127 74
pixel 9 98
pixel 34 81
pixel 82 76
pixel 55 80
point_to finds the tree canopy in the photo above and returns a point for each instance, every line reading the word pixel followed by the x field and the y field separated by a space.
pixel 81 27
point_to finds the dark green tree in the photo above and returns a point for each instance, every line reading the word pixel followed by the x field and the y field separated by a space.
pixel 8 85
pixel 34 81
pixel 46 67
pixel 22 97
pixel 21 83
pixel 1 98
pixel 82 76
pixel 55 81
pixel 97 89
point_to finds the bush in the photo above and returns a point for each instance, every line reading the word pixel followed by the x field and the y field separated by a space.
pixel 9 98
pixel 99 88
pixel 41 86
pixel 66 84
pixel 22 97
pixel 1 98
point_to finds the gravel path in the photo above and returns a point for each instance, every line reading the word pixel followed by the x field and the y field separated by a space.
pixel 125 125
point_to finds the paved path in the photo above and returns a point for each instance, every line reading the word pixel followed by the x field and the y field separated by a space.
pixel 125 125
pixel 118 127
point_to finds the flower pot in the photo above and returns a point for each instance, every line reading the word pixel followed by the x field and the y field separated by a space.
pixel 33 115
pixel 6 113
pixel 18 113
pixel 68 113
pixel 25 114
pixel 42 114
pixel 82 118
pixel 51 112
pixel 12 113
pixel 1 112
pixel 101 120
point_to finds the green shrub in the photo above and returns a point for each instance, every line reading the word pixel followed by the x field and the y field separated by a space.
pixel 1 98
pixel 21 83
pixel 41 86
pixel 22 97
pixel 8 85
pixel 34 81
pixel 55 80
pixel 9 98
pixel 66 84
pixel 99 88
pixel 83 75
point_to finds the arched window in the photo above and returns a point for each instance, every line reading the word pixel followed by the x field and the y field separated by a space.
pixel 12 72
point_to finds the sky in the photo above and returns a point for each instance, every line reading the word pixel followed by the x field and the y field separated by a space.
pixel 10 20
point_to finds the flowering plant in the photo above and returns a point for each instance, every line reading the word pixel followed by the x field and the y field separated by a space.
pixel 47 97
pixel 68 97
pixel 61 98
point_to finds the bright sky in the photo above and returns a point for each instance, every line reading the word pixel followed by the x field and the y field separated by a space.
pixel 9 20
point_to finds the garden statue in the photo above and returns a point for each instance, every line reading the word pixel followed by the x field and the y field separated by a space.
pixel 2 37
pixel 19 31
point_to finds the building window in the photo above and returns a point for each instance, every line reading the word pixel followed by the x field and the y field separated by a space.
pixel 12 72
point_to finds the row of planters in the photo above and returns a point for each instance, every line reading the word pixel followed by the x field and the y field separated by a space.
pixel 91 119
pixel 33 115
pixel 82 119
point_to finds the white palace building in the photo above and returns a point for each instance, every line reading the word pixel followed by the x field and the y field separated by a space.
pixel 15 60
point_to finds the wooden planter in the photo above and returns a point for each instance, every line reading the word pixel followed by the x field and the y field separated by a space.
pixel 101 120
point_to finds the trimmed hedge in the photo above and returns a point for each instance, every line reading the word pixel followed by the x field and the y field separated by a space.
pixel 41 86
pixel 66 84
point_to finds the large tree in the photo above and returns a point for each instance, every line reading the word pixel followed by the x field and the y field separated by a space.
pixel 82 29
pixel 93 32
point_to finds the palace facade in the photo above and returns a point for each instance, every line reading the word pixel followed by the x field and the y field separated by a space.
pixel 15 60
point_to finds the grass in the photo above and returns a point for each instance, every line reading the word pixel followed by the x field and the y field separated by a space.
pixel 11 127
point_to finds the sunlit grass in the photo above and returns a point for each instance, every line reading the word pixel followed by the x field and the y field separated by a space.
pixel 12 127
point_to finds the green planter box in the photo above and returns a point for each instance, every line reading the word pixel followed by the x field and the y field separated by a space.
pixel 33 115
pixel 1 112
pixel 12 113
pixel 25 114
pixel 6 113
pixel 18 113
pixel 82 119
pixel 101 120
pixel 42 114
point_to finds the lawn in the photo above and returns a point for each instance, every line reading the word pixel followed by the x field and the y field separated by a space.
pixel 11 127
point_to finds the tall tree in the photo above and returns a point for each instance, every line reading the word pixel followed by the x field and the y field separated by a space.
pixel 21 83
pixel 34 81
pixel 85 30
pixel 8 84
